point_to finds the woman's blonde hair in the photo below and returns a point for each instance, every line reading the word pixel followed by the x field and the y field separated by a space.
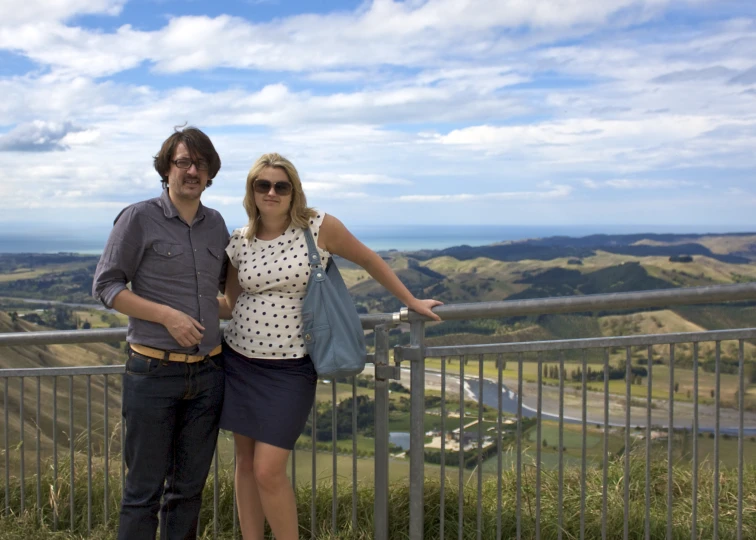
pixel 299 213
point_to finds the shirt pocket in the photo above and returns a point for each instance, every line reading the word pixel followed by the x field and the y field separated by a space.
pixel 171 258
pixel 168 250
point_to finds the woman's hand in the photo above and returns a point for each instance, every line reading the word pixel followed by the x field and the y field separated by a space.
pixel 423 307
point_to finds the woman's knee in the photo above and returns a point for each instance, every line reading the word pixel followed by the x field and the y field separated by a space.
pixel 269 476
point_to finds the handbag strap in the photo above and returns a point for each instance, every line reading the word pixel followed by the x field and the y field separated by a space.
pixel 313 257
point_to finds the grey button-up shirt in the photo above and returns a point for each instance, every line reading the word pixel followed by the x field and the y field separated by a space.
pixel 169 262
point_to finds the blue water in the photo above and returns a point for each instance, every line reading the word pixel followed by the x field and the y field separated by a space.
pixel 377 237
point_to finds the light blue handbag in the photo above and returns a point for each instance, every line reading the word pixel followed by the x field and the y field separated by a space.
pixel 333 333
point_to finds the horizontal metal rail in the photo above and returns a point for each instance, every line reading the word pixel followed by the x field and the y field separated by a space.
pixel 505 308
pixel 82 370
pixel 110 335
pixel 591 343
pixel 594 302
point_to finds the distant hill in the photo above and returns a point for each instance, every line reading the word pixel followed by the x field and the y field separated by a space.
pixel 626 277
pixel 556 247
pixel 63 277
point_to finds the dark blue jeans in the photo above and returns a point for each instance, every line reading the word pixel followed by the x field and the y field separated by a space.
pixel 171 413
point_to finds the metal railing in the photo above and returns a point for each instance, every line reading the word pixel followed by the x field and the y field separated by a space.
pixel 645 411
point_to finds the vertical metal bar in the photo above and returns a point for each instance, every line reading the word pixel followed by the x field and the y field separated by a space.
pixel 518 503
pixel 216 492
pixel 717 397
pixel 22 446
pixel 314 486
pixel 234 509
pixel 628 406
pixel 55 452
pixel 39 460
pixel 605 483
pixel 354 453
pixel 499 444
pixel 294 469
pixel 442 488
pixel 89 455
pixel 539 421
pixel 694 502
pixel 106 449
pixel 560 488
pixel 417 433
pixel 334 479
pixel 71 449
pixel 649 392
pixel 670 437
pixel 480 447
pixel 7 447
pixel 123 439
pixel 741 409
pixel 460 491
pixel 381 501
pixel 583 452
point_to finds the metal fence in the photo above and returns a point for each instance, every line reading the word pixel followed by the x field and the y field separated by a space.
pixel 627 413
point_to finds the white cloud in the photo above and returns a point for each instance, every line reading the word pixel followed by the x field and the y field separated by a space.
pixel 384 32
pixel 640 143
pixel 639 183
pixel 39 136
pixel 13 13
pixel 353 179
pixel 557 192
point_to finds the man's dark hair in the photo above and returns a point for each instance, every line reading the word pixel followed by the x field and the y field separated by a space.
pixel 197 144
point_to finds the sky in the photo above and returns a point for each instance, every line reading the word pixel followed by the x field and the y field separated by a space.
pixel 454 112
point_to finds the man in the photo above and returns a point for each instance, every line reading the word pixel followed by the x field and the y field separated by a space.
pixel 172 251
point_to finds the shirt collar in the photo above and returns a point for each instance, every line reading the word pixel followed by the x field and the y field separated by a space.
pixel 170 210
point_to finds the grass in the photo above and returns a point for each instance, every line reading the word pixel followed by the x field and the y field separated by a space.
pixel 36 522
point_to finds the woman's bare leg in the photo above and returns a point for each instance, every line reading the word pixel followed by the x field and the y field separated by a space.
pixel 251 517
pixel 276 493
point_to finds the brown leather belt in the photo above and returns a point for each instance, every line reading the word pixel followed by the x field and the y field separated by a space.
pixel 171 356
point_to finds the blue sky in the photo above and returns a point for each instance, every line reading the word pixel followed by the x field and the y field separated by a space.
pixel 548 112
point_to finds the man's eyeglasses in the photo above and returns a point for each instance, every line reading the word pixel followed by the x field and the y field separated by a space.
pixel 263 187
pixel 185 163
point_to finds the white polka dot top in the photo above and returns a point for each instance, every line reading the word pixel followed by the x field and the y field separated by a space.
pixel 273 274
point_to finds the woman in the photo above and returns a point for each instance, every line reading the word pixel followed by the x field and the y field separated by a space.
pixel 270 380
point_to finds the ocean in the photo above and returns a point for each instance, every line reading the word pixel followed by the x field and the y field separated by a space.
pixel 376 237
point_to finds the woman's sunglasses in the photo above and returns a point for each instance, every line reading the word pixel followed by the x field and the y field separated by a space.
pixel 263 187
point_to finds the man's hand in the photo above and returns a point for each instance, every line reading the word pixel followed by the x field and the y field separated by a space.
pixel 184 329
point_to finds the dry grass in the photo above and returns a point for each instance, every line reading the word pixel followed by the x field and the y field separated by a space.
pixel 497 515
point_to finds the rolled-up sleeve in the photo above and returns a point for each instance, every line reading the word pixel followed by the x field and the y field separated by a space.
pixel 119 261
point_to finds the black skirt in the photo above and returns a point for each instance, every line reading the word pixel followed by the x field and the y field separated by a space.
pixel 267 400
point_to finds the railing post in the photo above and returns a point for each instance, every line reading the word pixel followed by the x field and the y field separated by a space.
pixel 417 431
pixel 381 519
